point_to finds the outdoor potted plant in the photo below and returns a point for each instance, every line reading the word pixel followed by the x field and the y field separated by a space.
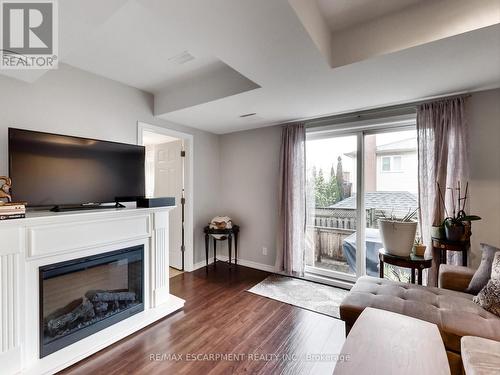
pixel 398 235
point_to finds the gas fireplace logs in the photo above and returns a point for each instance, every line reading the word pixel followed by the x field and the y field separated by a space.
pixel 95 303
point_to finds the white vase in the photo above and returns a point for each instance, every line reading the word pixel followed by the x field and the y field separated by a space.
pixel 398 237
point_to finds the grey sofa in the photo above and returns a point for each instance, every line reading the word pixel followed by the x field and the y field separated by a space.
pixel 452 310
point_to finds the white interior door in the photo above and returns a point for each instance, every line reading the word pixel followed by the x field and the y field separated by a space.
pixel 169 183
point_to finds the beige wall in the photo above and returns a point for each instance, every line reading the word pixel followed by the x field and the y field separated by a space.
pixel 249 189
pixel 207 192
pixel 72 101
pixel 483 115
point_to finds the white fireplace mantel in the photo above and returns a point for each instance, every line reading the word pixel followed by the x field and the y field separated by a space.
pixel 44 238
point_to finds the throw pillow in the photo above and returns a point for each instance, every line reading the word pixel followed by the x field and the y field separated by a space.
pixel 495 267
pixel 489 297
pixel 482 274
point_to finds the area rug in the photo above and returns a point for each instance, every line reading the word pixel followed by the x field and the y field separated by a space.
pixel 316 297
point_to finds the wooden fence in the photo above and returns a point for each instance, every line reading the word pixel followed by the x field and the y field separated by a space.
pixel 327 242
pixel 343 218
pixel 327 228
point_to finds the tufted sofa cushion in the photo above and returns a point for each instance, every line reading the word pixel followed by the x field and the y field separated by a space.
pixel 453 312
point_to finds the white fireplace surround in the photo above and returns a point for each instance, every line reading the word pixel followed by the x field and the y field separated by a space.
pixel 44 238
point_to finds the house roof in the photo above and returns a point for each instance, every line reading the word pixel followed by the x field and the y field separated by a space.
pixel 404 145
pixel 398 202
pixel 401 146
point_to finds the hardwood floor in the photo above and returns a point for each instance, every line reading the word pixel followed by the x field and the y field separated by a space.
pixel 172 272
pixel 220 318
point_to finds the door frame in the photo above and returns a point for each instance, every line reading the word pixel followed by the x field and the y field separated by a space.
pixel 188 184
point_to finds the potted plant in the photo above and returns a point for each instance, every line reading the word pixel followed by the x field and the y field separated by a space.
pixel 457 227
pixel 419 247
pixel 437 231
pixel 398 235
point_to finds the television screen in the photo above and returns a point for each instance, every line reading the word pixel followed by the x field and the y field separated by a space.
pixel 49 169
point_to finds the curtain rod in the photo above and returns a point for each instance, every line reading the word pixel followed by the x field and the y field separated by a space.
pixel 403 108
pixel 438 99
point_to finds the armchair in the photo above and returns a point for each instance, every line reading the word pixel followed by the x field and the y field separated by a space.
pixel 454 277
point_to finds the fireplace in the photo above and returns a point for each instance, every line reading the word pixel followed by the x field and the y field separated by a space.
pixel 83 296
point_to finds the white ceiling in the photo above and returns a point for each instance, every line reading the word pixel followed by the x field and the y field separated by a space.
pixel 134 46
pixel 341 14
pixel 266 60
pixel 434 69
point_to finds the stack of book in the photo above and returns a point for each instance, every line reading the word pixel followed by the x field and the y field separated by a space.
pixel 12 210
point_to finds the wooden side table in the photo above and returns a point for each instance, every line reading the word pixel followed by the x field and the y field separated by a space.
pixel 414 262
pixel 227 234
pixel 442 246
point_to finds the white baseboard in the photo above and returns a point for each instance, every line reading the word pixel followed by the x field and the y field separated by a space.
pixel 265 267
pixel 201 264
pixel 242 262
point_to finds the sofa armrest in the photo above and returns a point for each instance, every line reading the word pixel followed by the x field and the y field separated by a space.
pixel 455 277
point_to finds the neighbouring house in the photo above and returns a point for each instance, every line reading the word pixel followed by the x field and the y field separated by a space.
pixel 389 166
pixel 399 157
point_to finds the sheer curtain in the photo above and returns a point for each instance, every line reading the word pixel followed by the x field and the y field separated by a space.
pixel 442 158
pixel 290 249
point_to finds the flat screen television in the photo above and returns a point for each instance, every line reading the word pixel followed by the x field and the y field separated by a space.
pixel 50 170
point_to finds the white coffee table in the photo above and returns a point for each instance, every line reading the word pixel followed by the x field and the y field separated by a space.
pixel 384 343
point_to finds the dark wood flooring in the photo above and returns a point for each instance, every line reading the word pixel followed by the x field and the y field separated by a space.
pixel 263 336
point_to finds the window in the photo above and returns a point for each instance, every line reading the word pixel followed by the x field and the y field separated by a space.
pixel 342 236
pixel 386 163
pixel 391 164
pixel 388 194
pixel 396 163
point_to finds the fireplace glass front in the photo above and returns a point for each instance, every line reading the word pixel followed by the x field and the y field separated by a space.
pixel 83 296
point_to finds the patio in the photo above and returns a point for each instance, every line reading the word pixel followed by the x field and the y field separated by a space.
pixel 331 235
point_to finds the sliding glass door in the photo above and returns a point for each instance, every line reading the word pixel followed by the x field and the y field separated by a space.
pixel 354 178
pixel 332 215
pixel 390 187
